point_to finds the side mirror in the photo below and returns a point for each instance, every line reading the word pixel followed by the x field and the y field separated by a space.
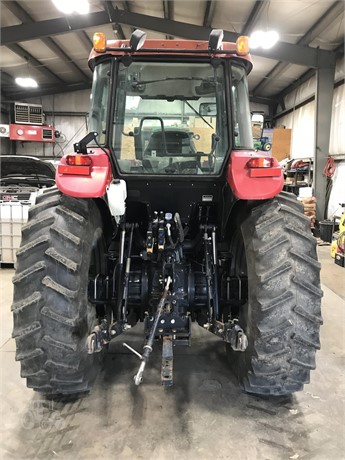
pixel 208 109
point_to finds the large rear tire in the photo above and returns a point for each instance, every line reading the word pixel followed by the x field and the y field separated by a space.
pixel 62 243
pixel 282 316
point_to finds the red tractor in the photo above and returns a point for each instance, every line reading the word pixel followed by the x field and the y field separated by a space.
pixel 165 214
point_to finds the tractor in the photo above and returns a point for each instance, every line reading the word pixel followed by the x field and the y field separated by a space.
pixel 260 141
pixel 165 214
pixel 263 144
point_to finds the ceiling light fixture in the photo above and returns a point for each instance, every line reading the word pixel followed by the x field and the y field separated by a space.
pixel 72 6
pixel 265 40
pixel 26 82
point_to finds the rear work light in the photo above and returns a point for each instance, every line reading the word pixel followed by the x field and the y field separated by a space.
pixel 99 42
pixel 78 160
pixel 260 163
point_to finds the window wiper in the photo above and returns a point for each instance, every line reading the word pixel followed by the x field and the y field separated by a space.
pixel 199 114
pixel 145 82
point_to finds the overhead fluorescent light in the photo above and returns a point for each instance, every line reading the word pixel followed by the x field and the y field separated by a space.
pixel 255 39
pixel 265 40
pixel 271 39
pixel 26 82
pixel 81 6
pixel 72 6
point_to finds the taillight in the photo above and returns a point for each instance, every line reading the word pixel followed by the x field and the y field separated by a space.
pixel 78 160
pixel 76 165
pixel 263 167
pixel 260 163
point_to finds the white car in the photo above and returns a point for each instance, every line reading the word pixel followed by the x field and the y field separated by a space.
pixel 21 180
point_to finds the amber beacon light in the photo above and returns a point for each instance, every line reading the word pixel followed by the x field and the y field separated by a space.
pixel 99 42
pixel 242 45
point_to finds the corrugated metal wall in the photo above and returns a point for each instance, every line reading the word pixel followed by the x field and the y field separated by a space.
pixel 302 120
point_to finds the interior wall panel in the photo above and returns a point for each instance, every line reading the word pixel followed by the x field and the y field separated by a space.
pixel 302 122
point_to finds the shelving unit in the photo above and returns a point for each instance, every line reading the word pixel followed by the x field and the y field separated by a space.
pixel 298 177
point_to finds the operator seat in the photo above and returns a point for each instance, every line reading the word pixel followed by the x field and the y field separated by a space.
pixel 178 143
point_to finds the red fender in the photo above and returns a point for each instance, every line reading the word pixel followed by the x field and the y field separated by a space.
pixel 85 182
pixel 253 183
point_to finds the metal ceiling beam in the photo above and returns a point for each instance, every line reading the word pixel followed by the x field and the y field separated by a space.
pixel 51 27
pixel 84 38
pixel 168 9
pixel 128 7
pixel 331 14
pixel 38 65
pixel 168 13
pixel 23 16
pixel 108 6
pixel 45 90
pixel 209 13
pixel 259 7
pixel 295 54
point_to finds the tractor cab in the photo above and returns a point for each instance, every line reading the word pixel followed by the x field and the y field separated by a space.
pixel 164 110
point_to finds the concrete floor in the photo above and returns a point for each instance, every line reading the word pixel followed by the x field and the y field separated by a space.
pixel 204 416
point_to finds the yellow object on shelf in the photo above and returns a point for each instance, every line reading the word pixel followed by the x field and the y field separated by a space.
pixel 336 242
pixel 333 248
pixel 342 223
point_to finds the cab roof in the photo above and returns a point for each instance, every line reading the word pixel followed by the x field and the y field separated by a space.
pixel 164 48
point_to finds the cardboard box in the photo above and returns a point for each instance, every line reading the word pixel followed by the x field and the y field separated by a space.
pixel 281 143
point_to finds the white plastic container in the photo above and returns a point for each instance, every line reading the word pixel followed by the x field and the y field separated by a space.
pixel 13 214
pixel 117 194
pixel 305 192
